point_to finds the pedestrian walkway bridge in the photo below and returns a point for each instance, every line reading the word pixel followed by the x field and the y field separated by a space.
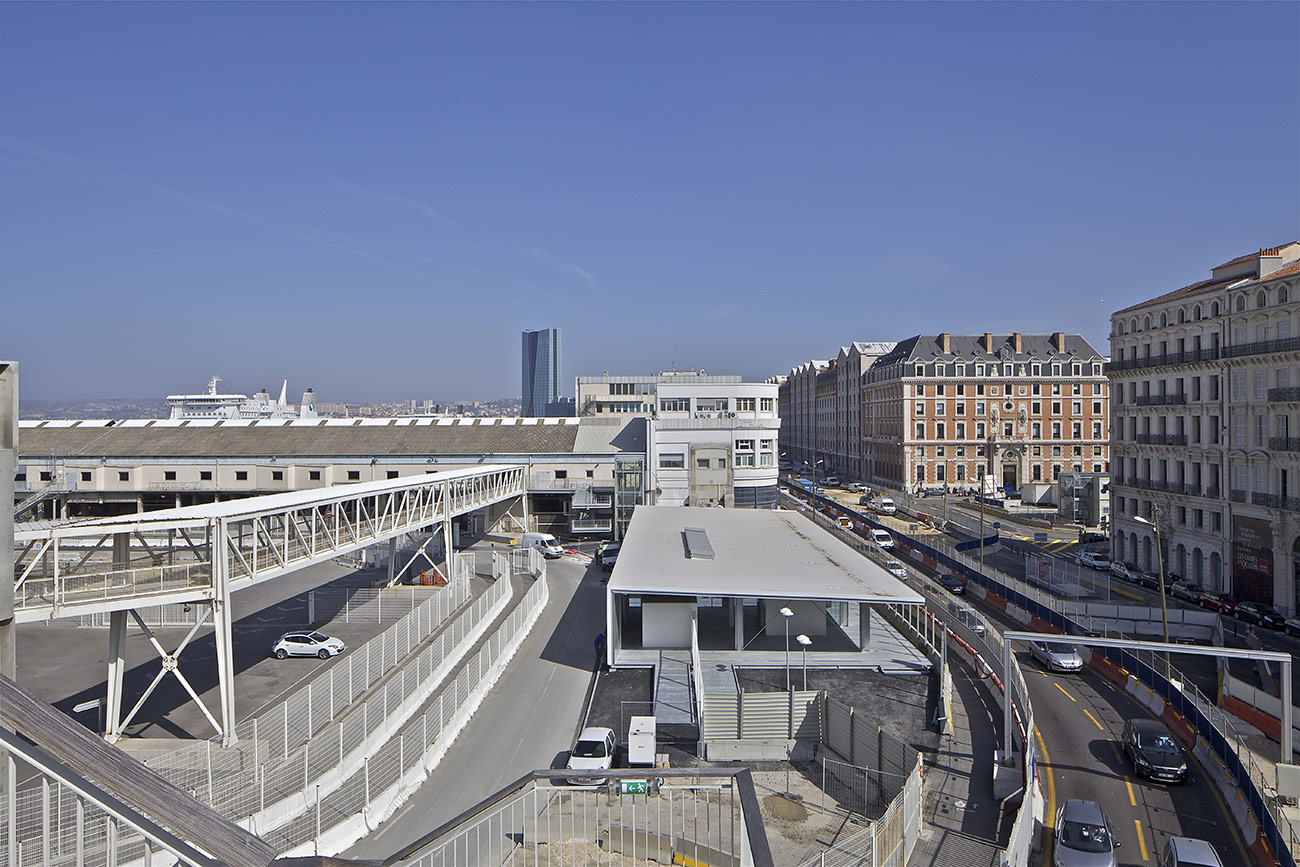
pixel 198 553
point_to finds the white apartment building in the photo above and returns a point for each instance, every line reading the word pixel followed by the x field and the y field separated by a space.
pixel 714 444
pixel 1205 386
pixel 633 395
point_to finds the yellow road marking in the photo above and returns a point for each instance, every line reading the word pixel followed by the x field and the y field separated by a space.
pixel 1064 693
pixel 1142 841
pixel 1094 720
pixel 1051 792
pixel 1132 799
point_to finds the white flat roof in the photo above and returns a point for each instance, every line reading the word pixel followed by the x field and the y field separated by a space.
pixel 756 553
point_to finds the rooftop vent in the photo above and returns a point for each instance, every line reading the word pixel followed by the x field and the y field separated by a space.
pixel 697 544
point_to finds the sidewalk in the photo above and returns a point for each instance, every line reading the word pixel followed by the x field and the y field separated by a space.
pixel 961 818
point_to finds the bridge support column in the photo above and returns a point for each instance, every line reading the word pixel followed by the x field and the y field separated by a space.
pixel 392 561
pixel 116 671
pixel 864 625
pixel 446 531
pixel 221 621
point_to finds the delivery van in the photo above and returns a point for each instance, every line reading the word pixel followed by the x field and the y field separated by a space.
pixel 545 543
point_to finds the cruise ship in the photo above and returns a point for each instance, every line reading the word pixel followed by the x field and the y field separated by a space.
pixel 214 405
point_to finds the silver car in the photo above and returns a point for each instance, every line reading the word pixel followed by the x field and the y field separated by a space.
pixel 1083 836
pixel 1056 657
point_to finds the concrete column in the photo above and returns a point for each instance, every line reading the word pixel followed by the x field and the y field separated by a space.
pixel 446 530
pixel 392 560
pixel 116 670
pixel 8 461
pixel 738 616
pixel 864 625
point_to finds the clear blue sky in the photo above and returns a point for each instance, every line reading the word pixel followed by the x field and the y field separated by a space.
pixel 374 200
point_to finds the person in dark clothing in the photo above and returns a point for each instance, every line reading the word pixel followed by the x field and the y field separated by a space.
pixel 600 650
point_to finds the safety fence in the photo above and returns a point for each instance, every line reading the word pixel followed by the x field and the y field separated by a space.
pixel 1273 833
pixel 625 817
pixel 367 604
pixel 334 747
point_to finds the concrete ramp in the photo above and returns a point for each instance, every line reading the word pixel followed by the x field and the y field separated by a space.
pixel 673 687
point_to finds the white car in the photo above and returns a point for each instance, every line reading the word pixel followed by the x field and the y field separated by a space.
pixel 882 538
pixel 1093 560
pixel 307 644
pixel 898 569
pixel 594 751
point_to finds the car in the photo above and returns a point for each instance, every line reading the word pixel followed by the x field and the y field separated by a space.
pixel 594 750
pixel 952 583
pixel 1083 836
pixel 967 615
pixel 899 570
pixel 1093 560
pixel 855 487
pixel 307 643
pixel 1189 852
pixel 1088 537
pixel 607 554
pixel 932 491
pixel 1259 614
pixel 1056 656
pixel 1292 626
pixel 1153 751
pixel 1188 591
pixel 882 538
pixel 1127 571
pixel 831 482
pixel 1216 601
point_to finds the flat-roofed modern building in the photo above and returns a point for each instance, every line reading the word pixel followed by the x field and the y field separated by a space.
pixel 616 394
pixel 721 577
pixel 542 371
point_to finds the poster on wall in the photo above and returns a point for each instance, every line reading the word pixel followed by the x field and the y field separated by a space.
pixel 1252 559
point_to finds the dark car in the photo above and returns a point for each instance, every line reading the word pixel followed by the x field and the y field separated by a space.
pixel 1186 591
pixel 1216 601
pixel 1154 752
pixel 1260 614
pixel 952 583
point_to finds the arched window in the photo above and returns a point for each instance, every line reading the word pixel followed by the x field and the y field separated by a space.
pixel 1133 326
pixel 1282 294
pixel 1182 316
pixel 1164 319
pixel 1196 313
pixel 1146 324
pixel 1241 303
pixel 1261 299
pixel 1214 309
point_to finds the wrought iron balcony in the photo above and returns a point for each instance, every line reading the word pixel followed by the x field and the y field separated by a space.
pixel 1284 395
pixel 1167 360
pixel 1150 439
pixel 1160 399
pixel 1274 501
pixel 1263 347
pixel 1284 444
pixel 1237 496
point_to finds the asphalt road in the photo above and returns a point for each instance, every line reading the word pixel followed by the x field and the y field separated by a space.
pixel 1079 719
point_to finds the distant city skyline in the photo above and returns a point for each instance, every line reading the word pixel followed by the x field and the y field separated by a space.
pixel 375 199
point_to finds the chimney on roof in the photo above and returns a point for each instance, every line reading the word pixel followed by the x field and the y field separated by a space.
pixel 945 342
pixel 988 342
pixel 1058 340
pixel 1017 341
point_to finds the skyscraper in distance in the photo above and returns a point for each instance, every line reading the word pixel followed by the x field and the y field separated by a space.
pixel 541 370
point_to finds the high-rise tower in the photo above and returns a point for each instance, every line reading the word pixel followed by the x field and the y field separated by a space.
pixel 541 370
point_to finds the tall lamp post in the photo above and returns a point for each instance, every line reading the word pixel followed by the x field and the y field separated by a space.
pixel 804 641
pixel 787 614
pixel 1160 566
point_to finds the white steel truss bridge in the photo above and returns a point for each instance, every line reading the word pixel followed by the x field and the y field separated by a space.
pixel 200 555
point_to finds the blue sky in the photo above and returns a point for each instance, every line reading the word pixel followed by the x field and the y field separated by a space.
pixel 374 200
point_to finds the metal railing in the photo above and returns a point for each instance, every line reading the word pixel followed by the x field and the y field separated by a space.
pixel 1262 347
pixel 1178 399
pixel 1158 439
pixel 1284 444
pixel 1276 501
pixel 1166 360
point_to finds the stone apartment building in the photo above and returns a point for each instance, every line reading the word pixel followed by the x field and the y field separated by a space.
pixel 1205 386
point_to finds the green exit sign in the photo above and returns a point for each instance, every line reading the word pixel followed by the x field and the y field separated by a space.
pixel 631 787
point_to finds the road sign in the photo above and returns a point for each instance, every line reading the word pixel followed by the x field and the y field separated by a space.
pixel 631 787
pixel 86 705
pixel 1040 538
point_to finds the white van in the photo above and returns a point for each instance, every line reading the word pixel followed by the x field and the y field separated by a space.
pixel 883 505
pixel 882 538
pixel 545 543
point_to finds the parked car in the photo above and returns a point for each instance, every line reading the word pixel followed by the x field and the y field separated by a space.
pixel 1153 751
pixel 1259 614
pixel 1292 626
pixel 932 491
pixel 1083 836
pixel 899 570
pixel 607 554
pixel 1133 574
pixel 1056 656
pixel 594 750
pixel 831 482
pixel 1216 601
pixel 969 616
pixel 952 583
pixel 855 487
pixel 1093 560
pixel 1189 852
pixel 1188 591
pixel 882 538
pixel 1087 537
pixel 307 644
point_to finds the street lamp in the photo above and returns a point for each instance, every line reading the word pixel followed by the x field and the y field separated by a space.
pixel 805 641
pixel 1160 566
pixel 787 614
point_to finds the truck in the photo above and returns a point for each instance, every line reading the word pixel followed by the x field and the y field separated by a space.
pixel 641 741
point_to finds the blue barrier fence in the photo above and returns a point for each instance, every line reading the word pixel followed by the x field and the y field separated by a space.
pixel 1185 704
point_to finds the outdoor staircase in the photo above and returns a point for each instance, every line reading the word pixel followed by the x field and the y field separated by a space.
pixel 673 688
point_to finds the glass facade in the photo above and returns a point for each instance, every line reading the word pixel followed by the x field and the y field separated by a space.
pixel 541 371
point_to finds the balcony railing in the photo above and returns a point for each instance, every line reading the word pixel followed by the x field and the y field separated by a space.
pixel 1237 496
pixel 1188 489
pixel 1284 444
pixel 590 526
pixel 1160 399
pixel 1162 439
pixel 1284 395
pixel 1274 501
pixel 1263 347
pixel 1167 360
